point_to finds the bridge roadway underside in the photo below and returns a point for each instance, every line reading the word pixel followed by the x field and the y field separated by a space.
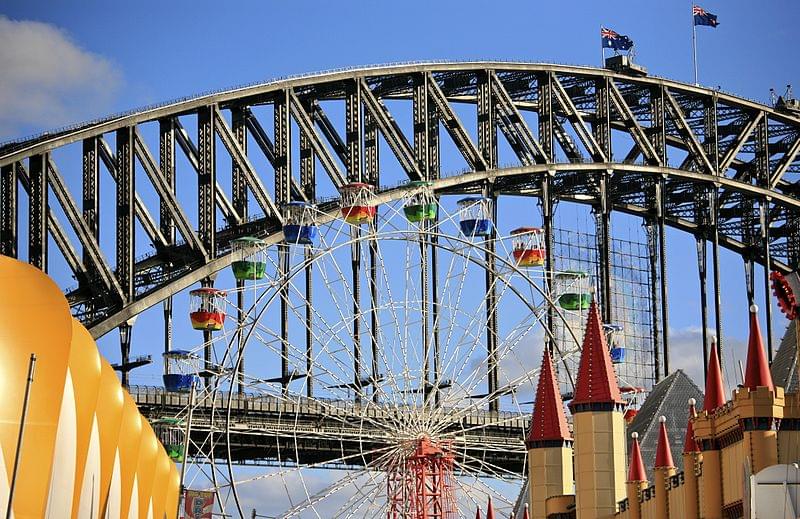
pixel 333 434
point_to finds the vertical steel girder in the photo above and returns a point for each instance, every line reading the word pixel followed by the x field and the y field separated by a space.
pixel 38 209
pixel 9 212
pixel 125 211
pixel 767 257
pixel 711 149
pixel 283 172
pixel 207 180
pixel 166 161
pixel 371 147
pixel 167 328
pixel 353 131
pixel 91 189
pixel 652 256
pixel 701 270
pixel 487 120
pixel 238 176
pixel 308 190
pixel 548 209
pixel 299 110
pixel 602 216
pixel 545 95
pixel 125 333
pixel 602 125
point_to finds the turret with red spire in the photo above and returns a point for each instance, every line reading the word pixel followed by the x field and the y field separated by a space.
pixel 757 372
pixel 599 427
pixel 549 443
pixel 637 479
pixel 715 394
pixel 490 509
pixel 663 470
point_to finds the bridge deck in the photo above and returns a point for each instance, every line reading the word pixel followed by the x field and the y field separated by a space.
pixel 276 431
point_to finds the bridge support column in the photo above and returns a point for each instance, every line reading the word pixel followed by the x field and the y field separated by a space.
pixel 9 216
pixel 767 256
pixel 38 208
pixel 603 238
pixel 125 332
pixel 701 270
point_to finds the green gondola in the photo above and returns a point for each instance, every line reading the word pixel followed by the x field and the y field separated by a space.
pixel 422 205
pixel 253 264
pixel 575 301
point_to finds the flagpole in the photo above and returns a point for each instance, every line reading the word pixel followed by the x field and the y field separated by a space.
pixel 694 47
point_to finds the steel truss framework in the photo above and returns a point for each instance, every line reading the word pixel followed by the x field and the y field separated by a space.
pixel 723 168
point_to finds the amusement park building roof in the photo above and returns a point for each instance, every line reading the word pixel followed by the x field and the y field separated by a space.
pixel 549 423
pixel 668 398
pixel 757 371
pixel 784 365
pixel 596 380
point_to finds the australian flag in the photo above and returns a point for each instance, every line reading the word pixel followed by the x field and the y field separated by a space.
pixel 613 40
pixel 703 17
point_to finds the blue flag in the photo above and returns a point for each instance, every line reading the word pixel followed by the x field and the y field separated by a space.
pixel 613 40
pixel 703 17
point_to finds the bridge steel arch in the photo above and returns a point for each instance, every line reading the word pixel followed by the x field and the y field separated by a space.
pixel 720 167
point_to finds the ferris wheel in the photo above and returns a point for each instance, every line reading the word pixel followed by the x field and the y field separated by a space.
pixel 378 362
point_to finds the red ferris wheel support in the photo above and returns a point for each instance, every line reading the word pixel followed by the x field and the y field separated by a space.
pixel 421 486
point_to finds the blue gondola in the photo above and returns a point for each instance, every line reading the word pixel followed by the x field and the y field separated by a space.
pixel 475 215
pixel 299 227
pixel 617 351
pixel 181 370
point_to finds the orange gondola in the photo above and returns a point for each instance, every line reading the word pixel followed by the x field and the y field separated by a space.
pixel 206 309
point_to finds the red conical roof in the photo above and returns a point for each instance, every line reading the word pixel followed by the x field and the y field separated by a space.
pixel 490 509
pixel 757 372
pixel 715 395
pixel 525 514
pixel 690 444
pixel 478 514
pixel 636 470
pixel 549 421
pixel 663 451
pixel 597 382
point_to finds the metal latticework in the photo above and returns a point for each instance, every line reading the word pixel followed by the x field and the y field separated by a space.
pixel 631 337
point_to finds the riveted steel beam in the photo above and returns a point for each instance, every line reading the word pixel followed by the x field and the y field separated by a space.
pixel 91 188
pixel 576 121
pixel 91 248
pixel 126 213
pixel 38 209
pixel 323 154
pixel 167 196
pixel 353 132
pixel 398 143
pixel 192 155
pixel 738 142
pixel 238 135
pixel 632 124
pixel 148 223
pixel 687 134
pixel 207 180
pixel 9 215
pixel 785 161
pixel 453 125
pixel 487 120
pixel 268 149
pixel 166 161
pixel 245 169
pixel 531 151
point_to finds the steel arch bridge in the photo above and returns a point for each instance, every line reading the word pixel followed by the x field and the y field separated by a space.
pixel 720 167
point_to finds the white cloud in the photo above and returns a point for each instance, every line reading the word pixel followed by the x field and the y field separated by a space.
pixel 47 80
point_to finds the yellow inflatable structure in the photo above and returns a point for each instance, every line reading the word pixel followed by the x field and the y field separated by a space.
pixel 86 451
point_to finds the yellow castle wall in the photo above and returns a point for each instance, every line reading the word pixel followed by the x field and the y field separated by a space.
pixel 733 459
pixel 599 462
pixel 549 474
pixel 649 509
pixel 676 497
pixel 789 447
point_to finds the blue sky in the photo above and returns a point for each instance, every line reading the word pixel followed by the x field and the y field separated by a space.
pixel 62 63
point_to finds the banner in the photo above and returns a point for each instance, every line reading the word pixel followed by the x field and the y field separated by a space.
pixel 198 504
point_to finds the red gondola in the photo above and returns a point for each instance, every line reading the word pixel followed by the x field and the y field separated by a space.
pixel 528 243
pixel 357 203
pixel 206 309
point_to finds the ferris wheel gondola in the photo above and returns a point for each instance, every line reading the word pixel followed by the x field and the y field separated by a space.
pixel 475 214
pixel 207 309
pixel 299 225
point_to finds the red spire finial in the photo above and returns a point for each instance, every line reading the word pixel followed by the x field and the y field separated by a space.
pixel 663 451
pixel 636 470
pixel 597 382
pixel 549 421
pixel 490 509
pixel 757 372
pixel 690 444
pixel 525 514
pixel 478 514
pixel 715 395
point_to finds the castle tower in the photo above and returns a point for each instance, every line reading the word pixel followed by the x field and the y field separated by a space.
pixel 637 480
pixel 549 443
pixel 599 427
pixel 705 434
pixel 759 403
pixel 663 470
pixel 691 460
